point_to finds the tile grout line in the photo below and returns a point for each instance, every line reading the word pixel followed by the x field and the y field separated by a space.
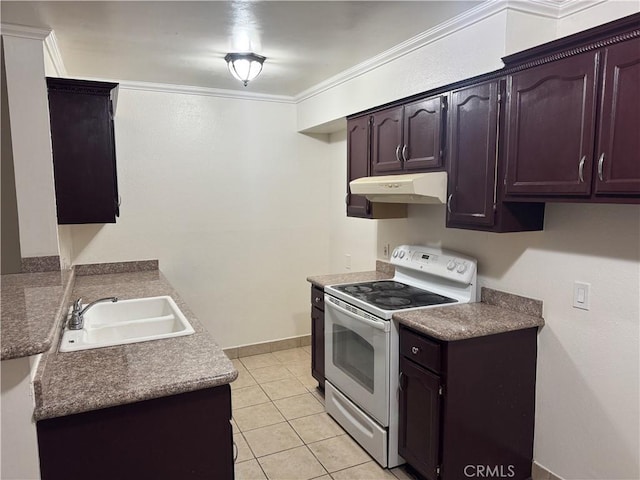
pixel 310 391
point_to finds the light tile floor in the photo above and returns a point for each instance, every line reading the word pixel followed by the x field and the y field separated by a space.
pixel 281 430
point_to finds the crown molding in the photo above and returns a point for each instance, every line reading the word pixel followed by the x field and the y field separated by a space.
pixel 201 91
pixel 51 46
pixel 544 8
pixel 571 7
pixel 541 8
pixel 23 31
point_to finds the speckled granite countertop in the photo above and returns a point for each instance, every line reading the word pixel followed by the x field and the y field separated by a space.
pixel 498 312
pixel 383 271
pixel 31 308
pixel 74 382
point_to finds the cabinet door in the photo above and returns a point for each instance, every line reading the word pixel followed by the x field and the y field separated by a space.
pixel 387 141
pixel 423 129
pixel 317 345
pixel 472 152
pixel 618 150
pixel 83 151
pixel 419 418
pixel 551 128
pixel 357 164
pixel 187 436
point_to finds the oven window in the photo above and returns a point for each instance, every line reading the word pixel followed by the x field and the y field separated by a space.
pixel 354 356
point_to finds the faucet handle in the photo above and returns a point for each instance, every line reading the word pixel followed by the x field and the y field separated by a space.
pixel 77 304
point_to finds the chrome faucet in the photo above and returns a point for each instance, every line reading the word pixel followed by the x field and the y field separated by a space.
pixel 76 320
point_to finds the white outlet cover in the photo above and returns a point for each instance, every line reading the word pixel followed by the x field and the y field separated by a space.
pixel 581 295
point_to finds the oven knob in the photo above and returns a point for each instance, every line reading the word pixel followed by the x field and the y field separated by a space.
pixel 461 268
pixel 395 253
pixel 451 265
pixel 401 253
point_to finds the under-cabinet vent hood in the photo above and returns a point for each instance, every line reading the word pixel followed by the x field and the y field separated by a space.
pixel 410 188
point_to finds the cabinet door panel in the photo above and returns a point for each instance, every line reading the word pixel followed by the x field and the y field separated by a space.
pixel 551 125
pixel 472 150
pixel 422 134
pixel 357 164
pixel 317 345
pixel 419 435
pixel 387 141
pixel 618 152
pixel 83 156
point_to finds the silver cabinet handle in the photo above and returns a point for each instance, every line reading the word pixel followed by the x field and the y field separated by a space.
pixel 398 153
pixel 404 152
pixel 449 202
pixel 317 299
pixel 600 165
pixel 415 350
pixel 581 168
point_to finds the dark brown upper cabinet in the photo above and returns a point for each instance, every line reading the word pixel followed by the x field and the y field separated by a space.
pixel 408 138
pixel 358 166
pixel 358 134
pixel 84 159
pixel 475 194
pixel 473 146
pixel 551 117
pixel 618 144
pixel 573 127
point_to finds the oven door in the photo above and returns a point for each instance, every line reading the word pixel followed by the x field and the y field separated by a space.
pixel 357 356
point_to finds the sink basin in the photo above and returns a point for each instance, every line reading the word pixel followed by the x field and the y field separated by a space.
pixel 127 321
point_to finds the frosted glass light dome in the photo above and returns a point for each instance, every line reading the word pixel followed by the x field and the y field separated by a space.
pixel 244 66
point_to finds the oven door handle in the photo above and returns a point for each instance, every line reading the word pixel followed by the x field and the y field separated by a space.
pixel 382 325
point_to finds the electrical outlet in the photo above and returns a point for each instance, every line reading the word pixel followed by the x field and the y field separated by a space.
pixel 385 250
pixel 347 261
pixel 581 296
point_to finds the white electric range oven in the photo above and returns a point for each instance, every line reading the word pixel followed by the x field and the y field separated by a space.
pixel 361 340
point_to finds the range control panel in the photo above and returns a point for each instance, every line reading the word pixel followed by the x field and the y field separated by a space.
pixel 443 263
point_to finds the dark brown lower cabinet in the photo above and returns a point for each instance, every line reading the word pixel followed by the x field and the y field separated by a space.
pixel 317 335
pixel 419 418
pixel 185 436
pixel 467 407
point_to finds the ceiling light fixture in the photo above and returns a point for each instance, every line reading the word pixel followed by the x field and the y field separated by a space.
pixel 244 66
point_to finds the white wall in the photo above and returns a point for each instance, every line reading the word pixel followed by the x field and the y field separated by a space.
pixel 599 13
pixel 19 441
pixel 232 202
pixel 31 142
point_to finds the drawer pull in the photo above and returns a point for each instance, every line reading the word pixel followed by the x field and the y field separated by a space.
pixel 415 350
pixel 317 299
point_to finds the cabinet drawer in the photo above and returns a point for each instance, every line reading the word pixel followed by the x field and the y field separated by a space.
pixel 419 349
pixel 317 297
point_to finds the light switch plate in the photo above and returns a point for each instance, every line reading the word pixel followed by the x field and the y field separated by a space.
pixel 581 295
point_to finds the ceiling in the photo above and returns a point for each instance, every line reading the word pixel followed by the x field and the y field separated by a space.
pixel 183 43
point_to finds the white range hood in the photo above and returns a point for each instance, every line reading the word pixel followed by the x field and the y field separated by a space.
pixel 410 188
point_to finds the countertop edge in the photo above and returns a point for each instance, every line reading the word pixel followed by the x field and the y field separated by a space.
pixel 12 352
pixel 429 322
pixel 322 281
pixel 43 413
